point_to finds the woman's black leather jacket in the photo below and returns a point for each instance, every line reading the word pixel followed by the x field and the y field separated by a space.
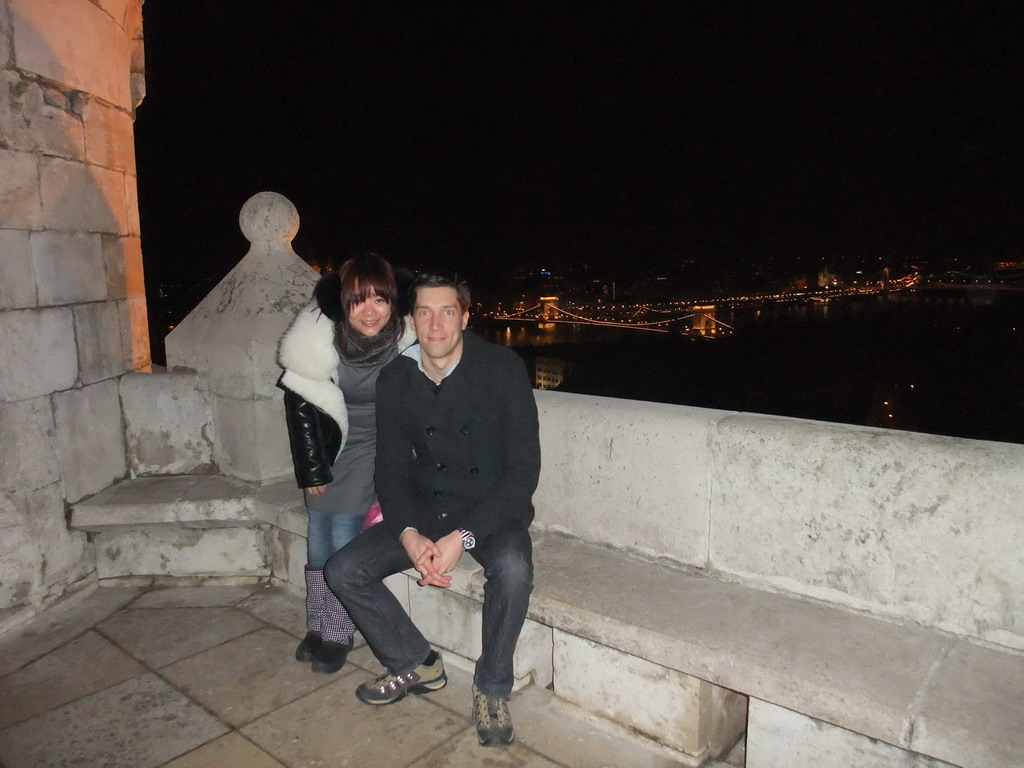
pixel 315 439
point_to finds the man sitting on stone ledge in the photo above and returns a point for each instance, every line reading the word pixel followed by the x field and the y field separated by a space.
pixel 458 460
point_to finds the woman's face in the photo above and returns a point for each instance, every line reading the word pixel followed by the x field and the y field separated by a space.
pixel 368 317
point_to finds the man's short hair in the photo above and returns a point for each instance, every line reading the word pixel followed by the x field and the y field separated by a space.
pixel 434 280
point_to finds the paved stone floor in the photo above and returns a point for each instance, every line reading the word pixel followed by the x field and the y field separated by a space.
pixel 190 677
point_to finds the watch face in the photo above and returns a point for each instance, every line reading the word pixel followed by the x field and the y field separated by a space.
pixel 468 540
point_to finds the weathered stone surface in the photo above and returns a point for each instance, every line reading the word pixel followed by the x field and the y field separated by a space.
pixel 119 11
pixel 5 35
pixel 288 558
pixel 98 336
pixel 39 557
pixel 165 551
pixel 46 683
pixel 109 136
pixel 168 424
pixel 910 525
pixel 68 267
pixel 193 501
pixel 252 438
pixel 40 118
pixel 65 557
pixel 19 191
pixel 630 474
pixel 17 279
pixel 839 666
pixel 30 461
pixel 123 259
pixel 777 737
pixel 452 621
pixel 232 335
pixel 666 705
pixel 132 226
pixel 77 44
pixel 281 504
pixel 61 623
pixel 19 554
pixel 38 355
pixel 81 198
pixel 164 724
pixel 135 333
pixel 90 438
pixel 972 709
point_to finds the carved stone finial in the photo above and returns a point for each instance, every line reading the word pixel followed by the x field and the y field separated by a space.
pixel 268 217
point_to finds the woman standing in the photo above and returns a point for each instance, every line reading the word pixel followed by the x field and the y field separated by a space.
pixel 332 354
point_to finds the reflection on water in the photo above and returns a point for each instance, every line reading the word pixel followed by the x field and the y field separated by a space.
pixel 932 362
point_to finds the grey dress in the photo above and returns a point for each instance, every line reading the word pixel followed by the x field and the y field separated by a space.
pixel 351 491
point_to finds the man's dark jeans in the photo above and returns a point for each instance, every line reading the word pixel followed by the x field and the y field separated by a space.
pixel 356 573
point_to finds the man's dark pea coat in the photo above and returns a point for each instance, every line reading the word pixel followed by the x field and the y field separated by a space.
pixel 462 454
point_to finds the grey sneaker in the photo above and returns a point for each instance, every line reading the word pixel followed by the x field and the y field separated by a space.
pixel 387 689
pixel 493 720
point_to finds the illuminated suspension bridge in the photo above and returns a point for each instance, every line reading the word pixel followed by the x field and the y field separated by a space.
pixel 552 313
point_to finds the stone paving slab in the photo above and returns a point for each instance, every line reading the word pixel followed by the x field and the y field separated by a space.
pixel 231 751
pixel 332 727
pixel 248 677
pixel 207 596
pixel 141 723
pixel 162 636
pixel 60 624
pixel 46 683
pixel 279 607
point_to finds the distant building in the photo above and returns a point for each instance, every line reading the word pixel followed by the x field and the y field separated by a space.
pixel 549 372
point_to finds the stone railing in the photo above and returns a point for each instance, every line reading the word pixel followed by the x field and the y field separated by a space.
pixel 902 525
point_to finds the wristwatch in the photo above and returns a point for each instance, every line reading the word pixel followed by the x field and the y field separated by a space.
pixel 468 539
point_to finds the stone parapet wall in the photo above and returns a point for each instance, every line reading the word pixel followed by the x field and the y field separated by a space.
pixel 72 298
pixel 914 527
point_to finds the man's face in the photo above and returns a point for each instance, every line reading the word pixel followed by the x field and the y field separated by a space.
pixel 439 322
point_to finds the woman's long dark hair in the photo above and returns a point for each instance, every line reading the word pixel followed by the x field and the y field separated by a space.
pixel 361 277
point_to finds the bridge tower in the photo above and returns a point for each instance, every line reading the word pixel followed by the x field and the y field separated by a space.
pixel 549 308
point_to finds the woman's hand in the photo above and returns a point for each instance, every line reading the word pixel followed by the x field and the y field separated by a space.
pixel 317 490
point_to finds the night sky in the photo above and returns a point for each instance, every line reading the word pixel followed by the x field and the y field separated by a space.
pixel 692 138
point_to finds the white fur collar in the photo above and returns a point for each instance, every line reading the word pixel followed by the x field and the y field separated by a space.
pixel 310 358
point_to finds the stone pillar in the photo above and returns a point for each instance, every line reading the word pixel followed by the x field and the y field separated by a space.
pixel 72 299
pixel 231 340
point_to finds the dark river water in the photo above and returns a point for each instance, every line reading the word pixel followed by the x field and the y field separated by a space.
pixel 949 363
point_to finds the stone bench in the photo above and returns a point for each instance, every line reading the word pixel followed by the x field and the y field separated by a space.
pixel 675 655
pixel 174 526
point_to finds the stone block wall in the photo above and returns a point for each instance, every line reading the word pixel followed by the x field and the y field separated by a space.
pixel 72 300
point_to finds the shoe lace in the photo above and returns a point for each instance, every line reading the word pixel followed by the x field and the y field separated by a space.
pixel 498 709
pixel 481 709
pixel 390 683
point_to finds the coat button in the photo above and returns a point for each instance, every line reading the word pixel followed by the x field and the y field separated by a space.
pixel 430 430
pixel 440 467
pixel 463 430
pixel 437 493
pixel 474 470
pixel 442 515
